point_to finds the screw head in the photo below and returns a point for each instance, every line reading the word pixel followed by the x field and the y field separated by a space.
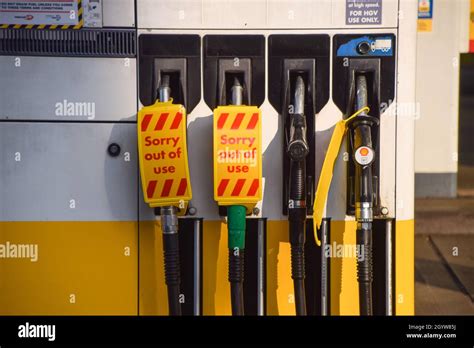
pixel 192 211
pixel 114 150
pixel 255 211
pixel 384 210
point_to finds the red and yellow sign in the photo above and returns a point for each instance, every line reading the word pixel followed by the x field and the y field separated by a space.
pixel 163 155
pixel 237 155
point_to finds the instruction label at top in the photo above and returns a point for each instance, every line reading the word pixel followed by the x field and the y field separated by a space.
pixel 363 12
pixel 53 12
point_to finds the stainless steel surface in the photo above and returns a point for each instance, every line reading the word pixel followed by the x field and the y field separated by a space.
pixel 62 172
pixel 364 212
pixel 237 92
pixel 324 268
pixel 169 220
pixel 68 89
pixel 197 267
pixel 388 267
pixel 261 267
pixel 164 92
pixel 119 13
pixel 299 96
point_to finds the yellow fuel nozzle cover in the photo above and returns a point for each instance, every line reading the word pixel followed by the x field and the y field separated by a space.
pixel 237 155
pixel 163 155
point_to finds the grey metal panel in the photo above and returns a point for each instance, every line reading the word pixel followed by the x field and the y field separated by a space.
pixel 118 13
pixel 61 162
pixel 36 89
pixel 436 185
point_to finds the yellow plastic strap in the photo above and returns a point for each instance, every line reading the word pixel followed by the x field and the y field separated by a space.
pixel 325 178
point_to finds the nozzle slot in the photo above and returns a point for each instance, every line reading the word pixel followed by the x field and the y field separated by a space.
pixel 159 54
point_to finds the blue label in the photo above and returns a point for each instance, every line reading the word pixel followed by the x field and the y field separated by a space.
pixel 381 46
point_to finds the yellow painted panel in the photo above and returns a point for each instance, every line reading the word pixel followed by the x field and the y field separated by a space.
pixel 153 291
pixel 93 262
pixel 405 268
pixel 344 286
pixel 280 290
pixel 216 288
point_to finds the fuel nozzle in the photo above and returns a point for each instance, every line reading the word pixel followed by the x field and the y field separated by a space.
pixel 164 91
pixel 169 228
pixel 298 145
pixel 363 155
pixel 297 150
pixel 236 222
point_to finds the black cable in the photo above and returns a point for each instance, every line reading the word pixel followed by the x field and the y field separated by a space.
pixel 172 271
pixel 365 267
pixel 236 279
pixel 297 221
pixel 298 275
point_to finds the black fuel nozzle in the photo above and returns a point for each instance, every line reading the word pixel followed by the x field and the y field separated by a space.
pixel 298 150
pixel 298 147
pixel 169 227
pixel 364 155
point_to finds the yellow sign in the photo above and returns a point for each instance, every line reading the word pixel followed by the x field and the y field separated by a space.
pixel 163 155
pixel 237 155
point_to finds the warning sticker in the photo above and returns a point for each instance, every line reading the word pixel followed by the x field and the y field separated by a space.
pixel 237 155
pixel 360 12
pixel 425 15
pixel 163 155
pixel 40 12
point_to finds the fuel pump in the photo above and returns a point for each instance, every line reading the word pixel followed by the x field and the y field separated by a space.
pixel 169 81
pixel 236 148
pixel 364 71
pixel 298 89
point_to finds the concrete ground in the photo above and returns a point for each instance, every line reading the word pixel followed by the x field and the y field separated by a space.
pixel 444 251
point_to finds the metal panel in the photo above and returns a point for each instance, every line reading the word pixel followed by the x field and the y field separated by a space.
pixel 68 89
pixel 118 13
pixel 63 172
pixel 252 14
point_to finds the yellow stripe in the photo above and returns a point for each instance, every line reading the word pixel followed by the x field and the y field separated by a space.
pixel 87 259
pixel 405 267
pixel 29 26
pixel 343 277
pixel 53 27
pixel 4 26
pixel 65 27
pixel 17 26
pixel 42 26
pixel 280 290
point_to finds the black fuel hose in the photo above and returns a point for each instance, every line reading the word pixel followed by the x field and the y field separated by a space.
pixel 169 225
pixel 298 150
